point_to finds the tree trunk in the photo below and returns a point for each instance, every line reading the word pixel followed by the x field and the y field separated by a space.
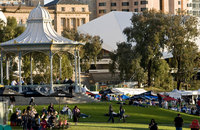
pixel 149 73
pixel 178 74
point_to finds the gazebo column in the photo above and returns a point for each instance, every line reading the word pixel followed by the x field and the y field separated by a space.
pixel 20 76
pixel 51 69
pixel 60 67
pixel 79 69
pixel 75 66
pixel 31 67
pixel 7 67
pixel 1 67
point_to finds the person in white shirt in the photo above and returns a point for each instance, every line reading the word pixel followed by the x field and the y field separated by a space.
pixel 13 83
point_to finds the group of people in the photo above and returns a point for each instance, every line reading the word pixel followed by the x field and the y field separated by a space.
pixel 121 114
pixel 30 119
pixel 15 82
pixel 65 81
pixel 178 122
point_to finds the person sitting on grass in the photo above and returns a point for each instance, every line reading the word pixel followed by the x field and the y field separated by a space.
pixel 15 119
pixel 64 110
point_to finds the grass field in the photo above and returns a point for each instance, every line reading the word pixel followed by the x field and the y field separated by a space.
pixel 138 120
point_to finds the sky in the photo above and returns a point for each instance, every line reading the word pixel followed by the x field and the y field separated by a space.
pixel 47 1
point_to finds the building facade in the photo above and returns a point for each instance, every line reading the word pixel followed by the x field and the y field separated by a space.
pixel 68 14
pixel 196 8
pixel 33 2
pixel 23 2
pixel 168 6
pixel 63 15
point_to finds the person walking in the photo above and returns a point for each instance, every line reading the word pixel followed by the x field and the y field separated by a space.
pixel 111 114
pixel 153 125
pixel 178 122
pixel 121 113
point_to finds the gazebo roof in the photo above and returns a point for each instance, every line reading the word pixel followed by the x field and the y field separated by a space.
pixel 39 31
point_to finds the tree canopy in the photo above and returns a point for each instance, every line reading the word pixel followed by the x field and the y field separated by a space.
pixel 155 33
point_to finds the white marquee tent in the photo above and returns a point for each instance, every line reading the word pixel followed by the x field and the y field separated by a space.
pixel 110 28
pixel 131 91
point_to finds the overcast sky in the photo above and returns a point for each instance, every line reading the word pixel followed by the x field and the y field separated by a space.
pixel 47 1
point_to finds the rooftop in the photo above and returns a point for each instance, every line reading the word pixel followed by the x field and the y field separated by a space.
pixel 56 2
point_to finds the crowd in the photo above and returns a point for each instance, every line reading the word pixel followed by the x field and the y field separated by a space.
pixel 30 119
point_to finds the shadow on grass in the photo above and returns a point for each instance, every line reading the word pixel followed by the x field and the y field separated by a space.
pixel 113 127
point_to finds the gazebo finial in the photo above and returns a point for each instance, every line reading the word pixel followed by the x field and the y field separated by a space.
pixel 38 4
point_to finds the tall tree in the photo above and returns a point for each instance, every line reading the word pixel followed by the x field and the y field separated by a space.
pixel 90 51
pixel 181 37
pixel 121 60
pixel 148 31
pixel 11 30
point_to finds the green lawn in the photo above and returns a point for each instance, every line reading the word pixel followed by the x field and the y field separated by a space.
pixel 139 117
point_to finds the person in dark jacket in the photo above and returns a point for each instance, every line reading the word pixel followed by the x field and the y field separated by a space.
pixel 121 113
pixel 111 114
pixel 76 114
pixel 153 125
pixel 178 122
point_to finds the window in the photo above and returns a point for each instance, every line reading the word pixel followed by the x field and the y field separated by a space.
pixel 113 10
pixel 113 4
pixel 143 9
pixel 135 10
pixel 62 21
pixel 73 20
pixel 125 3
pixel 143 2
pixel 194 5
pixel 126 10
pixel 135 3
pixel 102 4
pixel 73 9
pixel 83 9
pixel 179 2
pixel 52 22
pixel 82 21
pixel 102 11
pixel 62 8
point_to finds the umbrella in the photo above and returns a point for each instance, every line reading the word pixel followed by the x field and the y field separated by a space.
pixel 98 96
pixel 169 99
pixel 33 93
pixel 125 97
pixel 60 93
pixel 89 93
pixel 9 92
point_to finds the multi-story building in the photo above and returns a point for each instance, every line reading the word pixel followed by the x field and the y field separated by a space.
pixel 68 14
pixel 196 8
pixel 64 14
pixel 92 4
pixel 33 2
pixel 168 6
pixel 22 2
pixel 13 2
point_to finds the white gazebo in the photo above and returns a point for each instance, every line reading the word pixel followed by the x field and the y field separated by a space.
pixel 40 36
